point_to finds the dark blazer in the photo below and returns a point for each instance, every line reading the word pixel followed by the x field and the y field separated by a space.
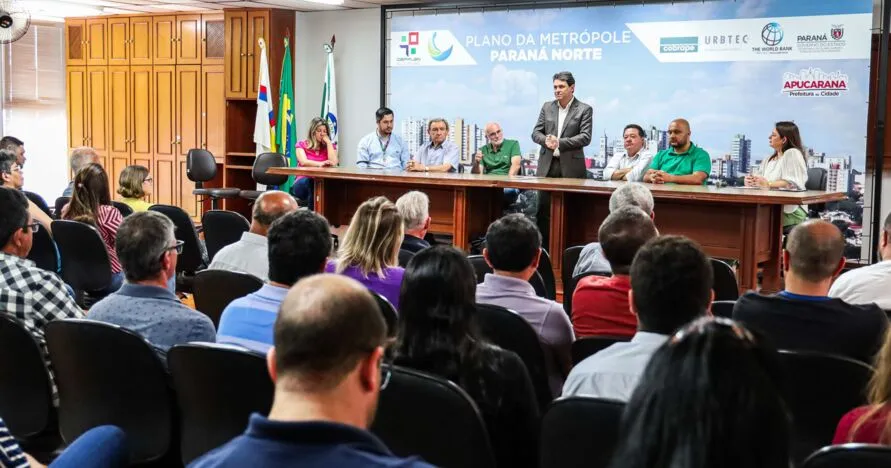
pixel 413 244
pixel 576 135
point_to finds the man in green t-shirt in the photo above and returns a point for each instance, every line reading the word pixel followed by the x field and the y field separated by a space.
pixel 682 163
pixel 499 157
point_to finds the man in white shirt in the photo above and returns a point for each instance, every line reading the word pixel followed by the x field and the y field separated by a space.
pixel 671 284
pixel 869 284
pixel 633 163
pixel 250 254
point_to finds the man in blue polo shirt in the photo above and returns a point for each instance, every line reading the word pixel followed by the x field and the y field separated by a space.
pixel 299 244
pixel 326 366
pixel 682 163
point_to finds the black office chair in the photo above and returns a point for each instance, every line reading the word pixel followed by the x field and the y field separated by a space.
pixel 39 201
pixel 58 205
pixel 589 345
pixel 222 228
pixel 580 432
pixel 546 270
pixel 725 285
pixel 194 257
pixel 263 163
pixel 388 312
pixel 850 455
pixel 201 167
pixel 817 179
pixel 110 375
pixel 480 267
pixel 570 260
pixel 508 330
pixel 123 208
pixel 404 257
pixel 723 309
pixel 819 389
pixel 213 290
pixel 538 284
pixel 424 415
pixel 43 251
pixel 85 263
pixel 569 288
pixel 217 387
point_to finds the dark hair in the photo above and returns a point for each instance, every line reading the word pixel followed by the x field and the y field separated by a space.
pixel 141 241
pixel 565 76
pixel 13 213
pixel 622 234
pixel 789 131
pixel 640 130
pixel 381 113
pixel 299 244
pixel 325 325
pixel 709 397
pixel 7 159
pixel 90 191
pixel 10 143
pixel 814 255
pixel 513 243
pixel 672 283
pixel 887 225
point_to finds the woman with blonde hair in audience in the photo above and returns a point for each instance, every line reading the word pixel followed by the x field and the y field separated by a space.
pixel 134 185
pixel 871 424
pixel 369 251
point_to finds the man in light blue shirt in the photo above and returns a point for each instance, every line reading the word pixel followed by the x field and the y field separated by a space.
pixel 299 244
pixel 440 154
pixel 381 149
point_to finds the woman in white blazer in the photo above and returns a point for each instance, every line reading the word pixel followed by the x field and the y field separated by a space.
pixel 786 168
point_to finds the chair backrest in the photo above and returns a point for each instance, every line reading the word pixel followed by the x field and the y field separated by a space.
pixel 43 251
pixel 424 415
pixel 213 290
pixel 222 228
pixel 57 207
pixel 405 256
pixel 817 179
pixel 570 260
pixel 123 208
pixel 723 309
pixel 850 455
pixel 538 284
pixel 507 329
pixel 110 375
pixel 569 288
pixel 589 345
pixel 217 387
pixel 480 267
pixel 725 285
pixel 264 162
pixel 819 389
pixel 85 264
pixel 190 260
pixel 580 432
pixel 546 270
pixel 39 201
pixel 201 166
pixel 388 311
pixel 26 399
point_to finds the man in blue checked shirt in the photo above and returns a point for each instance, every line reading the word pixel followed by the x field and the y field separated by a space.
pixel 381 149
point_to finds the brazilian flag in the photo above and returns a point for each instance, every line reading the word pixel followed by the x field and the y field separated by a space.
pixel 286 128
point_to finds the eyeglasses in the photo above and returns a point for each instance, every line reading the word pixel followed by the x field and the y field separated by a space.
pixel 34 227
pixel 386 373
pixel 491 134
pixel 178 247
pixel 147 179
pixel 699 326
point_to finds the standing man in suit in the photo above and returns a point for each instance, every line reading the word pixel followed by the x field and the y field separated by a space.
pixel 563 130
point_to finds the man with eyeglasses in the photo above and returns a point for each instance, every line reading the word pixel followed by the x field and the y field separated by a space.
pixel 148 251
pixel 499 157
pixel 327 366
pixel 11 177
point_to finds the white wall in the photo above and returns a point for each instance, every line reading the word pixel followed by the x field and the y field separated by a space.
pixel 357 69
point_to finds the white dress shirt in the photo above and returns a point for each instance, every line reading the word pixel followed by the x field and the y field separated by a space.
pixel 248 255
pixel 865 285
pixel 562 112
pixel 639 164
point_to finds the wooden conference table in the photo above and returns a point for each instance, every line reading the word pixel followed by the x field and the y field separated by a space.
pixel 735 223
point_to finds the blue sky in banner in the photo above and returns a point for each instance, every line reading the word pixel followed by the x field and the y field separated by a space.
pixel 630 85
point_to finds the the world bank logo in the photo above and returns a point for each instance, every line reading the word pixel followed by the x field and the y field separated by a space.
pixel 772 34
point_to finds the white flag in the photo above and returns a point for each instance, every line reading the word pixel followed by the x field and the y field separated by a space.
pixel 264 124
pixel 329 95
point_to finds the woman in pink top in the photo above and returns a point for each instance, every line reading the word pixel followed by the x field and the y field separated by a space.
pixel 317 150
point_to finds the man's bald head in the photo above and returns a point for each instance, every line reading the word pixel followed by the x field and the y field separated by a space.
pixel 272 205
pixel 816 249
pixel 683 123
pixel 494 133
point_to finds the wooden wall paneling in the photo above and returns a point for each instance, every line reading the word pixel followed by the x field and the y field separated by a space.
pixel 258 26
pixel 213 110
pixel 119 112
pixel 188 39
pixel 75 42
pixel 280 21
pixel 141 40
pixel 141 127
pixel 189 122
pixel 164 124
pixel 213 40
pixel 78 120
pixel 97 89
pixel 119 41
pixel 236 32
pixel 164 37
pixel 97 41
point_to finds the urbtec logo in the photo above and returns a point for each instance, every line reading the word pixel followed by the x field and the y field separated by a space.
pixel 772 34
pixel 814 82
pixel 435 52
pixel 679 45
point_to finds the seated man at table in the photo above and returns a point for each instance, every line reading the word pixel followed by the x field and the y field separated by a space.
pixel 381 149
pixel 633 163
pixel 414 207
pixel 499 157
pixel 440 154
pixel 682 163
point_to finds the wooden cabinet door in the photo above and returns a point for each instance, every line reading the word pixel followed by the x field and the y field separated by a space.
pixel 78 110
pixel 188 108
pixel 164 124
pixel 258 26
pixel 75 42
pixel 97 42
pixel 188 40
pixel 164 28
pixel 236 32
pixel 118 123
pixel 97 88
pixel 141 92
pixel 141 40
pixel 213 41
pixel 213 110
pixel 118 41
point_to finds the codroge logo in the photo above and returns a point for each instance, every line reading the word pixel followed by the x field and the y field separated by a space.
pixel 679 45
pixel 435 52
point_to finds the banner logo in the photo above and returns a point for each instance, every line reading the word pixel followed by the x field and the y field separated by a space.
pixel 814 82
pixel 432 48
pixel 772 34
pixel 410 43
pixel 837 31
pixel 435 53
pixel 683 45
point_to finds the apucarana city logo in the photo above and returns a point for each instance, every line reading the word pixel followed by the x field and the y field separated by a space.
pixel 679 45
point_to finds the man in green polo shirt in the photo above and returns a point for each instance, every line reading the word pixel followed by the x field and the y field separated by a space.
pixel 682 163
pixel 499 157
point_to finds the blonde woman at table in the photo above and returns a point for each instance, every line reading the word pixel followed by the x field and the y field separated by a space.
pixel 317 150
pixel 786 168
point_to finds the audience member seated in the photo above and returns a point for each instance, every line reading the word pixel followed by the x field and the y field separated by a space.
pixel 803 317
pixel 871 424
pixel 99 447
pixel 249 255
pixel 16 146
pixel 148 249
pixel 414 207
pixel 671 284
pixel 299 245
pixel 12 177
pixel 80 157
pixel 600 304
pixel 513 249
pixel 369 251
pixel 708 398
pixel 326 366
pixel 134 186
pixel 870 284
pixel 630 194
pixel 437 334
pixel 91 204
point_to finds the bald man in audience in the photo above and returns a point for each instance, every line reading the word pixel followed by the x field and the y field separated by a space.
pixel 80 157
pixel 682 163
pixel 803 316
pixel 326 364
pixel 248 255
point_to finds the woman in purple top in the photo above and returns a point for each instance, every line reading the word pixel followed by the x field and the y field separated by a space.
pixel 369 251
pixel 317 150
